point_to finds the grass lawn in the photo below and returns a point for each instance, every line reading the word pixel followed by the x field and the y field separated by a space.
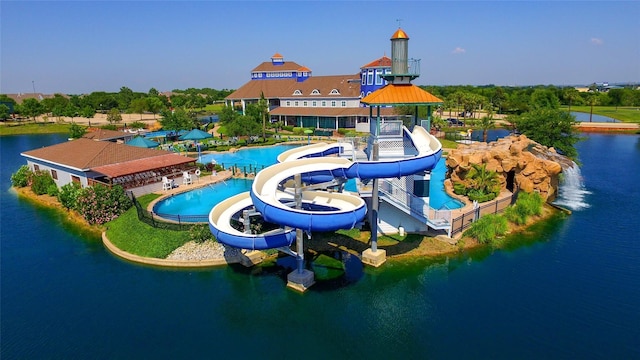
pixel 622 113
pixel 135 237
pixel 21 128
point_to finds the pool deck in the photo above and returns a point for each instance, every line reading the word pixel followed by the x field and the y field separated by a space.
pixel 198 182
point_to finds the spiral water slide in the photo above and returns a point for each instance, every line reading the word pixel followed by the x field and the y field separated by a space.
pixel 272 192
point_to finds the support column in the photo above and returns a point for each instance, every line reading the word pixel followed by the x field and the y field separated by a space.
pixel 373 256
pixel 300 279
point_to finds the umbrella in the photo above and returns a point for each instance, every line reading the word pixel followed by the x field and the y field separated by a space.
pixel 139 141
pixel 195 134
pixel 308 132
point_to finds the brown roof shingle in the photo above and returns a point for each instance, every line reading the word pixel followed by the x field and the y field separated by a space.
pixel 347 85
pixel 84 154
pixel 140 165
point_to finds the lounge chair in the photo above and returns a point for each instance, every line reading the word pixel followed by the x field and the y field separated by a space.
pixel 166 183
pixel 186 178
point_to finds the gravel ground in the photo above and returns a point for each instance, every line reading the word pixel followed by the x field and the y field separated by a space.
pixel 203 251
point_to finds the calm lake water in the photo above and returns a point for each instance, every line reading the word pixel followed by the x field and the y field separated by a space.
pixel 569 290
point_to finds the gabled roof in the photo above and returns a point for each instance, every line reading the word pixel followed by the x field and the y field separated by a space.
pixel 382 62
pixel 84 154
pixel 347 85
pixel 103 134
pixel 401 94
pixel 284 66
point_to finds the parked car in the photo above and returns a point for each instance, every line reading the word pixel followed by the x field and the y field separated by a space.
pixel 455 122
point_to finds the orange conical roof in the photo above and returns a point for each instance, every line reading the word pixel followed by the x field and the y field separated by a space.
pixel 399 34
pixel 405 94
pixel 276 56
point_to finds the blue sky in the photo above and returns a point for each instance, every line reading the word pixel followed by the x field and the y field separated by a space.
pixel 83 46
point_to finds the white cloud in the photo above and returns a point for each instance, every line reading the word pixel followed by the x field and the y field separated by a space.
pixel 458 50
pixel 596 41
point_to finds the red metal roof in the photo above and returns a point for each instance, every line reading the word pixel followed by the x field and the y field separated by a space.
pixel 401 94
pixel 382 62
pixel 140 165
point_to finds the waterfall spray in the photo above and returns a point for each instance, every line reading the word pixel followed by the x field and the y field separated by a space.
pixel 572 192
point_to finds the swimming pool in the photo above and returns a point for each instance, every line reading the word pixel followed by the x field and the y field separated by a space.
pixel 199 202
pixel 257 156
pixel 196 204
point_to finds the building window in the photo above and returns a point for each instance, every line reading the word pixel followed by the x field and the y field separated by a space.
pixel 297 92
pixel 54 174
pixel 324 103
pixel 288 103
pixel 343 104
pixel 333 104
pixel 75 179
pixel 295 104
pixel 379 77
pixel 363 75
pixel 314 103
pixel 304 103
pixel 370 77
pixel 315 92
pixel 36 167
pixel 334 92
pixel 361 94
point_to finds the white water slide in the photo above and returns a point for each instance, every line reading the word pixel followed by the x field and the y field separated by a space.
pixel 272 192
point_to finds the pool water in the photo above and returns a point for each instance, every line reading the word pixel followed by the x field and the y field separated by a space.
pixel 201 201
pixel 438 198
pixel 256 157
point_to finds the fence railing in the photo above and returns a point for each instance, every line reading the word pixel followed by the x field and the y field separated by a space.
pixel 464 221
pixel 175 222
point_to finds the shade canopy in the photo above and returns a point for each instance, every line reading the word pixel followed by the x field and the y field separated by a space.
pixel 142 142
pixel 195 134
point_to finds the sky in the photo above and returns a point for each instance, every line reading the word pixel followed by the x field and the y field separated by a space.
pixel 76 47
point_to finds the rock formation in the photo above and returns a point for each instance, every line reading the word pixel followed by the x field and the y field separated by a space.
pixel 521 163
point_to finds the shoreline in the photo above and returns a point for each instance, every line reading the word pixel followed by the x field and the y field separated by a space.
pixel 429 246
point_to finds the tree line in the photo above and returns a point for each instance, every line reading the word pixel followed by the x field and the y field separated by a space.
pixel 124 101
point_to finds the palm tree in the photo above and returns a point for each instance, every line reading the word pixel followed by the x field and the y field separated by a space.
pixel 486 123
pixel 571 94
pixel 591 101
pixel 482 180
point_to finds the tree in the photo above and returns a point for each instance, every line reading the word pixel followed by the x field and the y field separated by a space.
pixel 71 111
pixel 31 108
pixel 4 112
pixel 87 112
pixel 153 92
pixel 549 127
pixel 155 105
pixel 544 99
pixel 77 131
pixel 113 116
pixel 227 115
pixel 177 120
pixel 243 125
pixel 570 95
pixel 486 122
pixel 125 96
pixel 591 101
pixel 138 106
pixel 263 107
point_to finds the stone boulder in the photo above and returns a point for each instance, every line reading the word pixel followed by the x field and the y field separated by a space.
pixel 520 162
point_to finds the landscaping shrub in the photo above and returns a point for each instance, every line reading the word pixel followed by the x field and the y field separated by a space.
pixel 68 195
pixel 528 204
pixel 99 204
pixel 287 128
pixel 109 127
pixel 41 181
pixel 137 125
pixel 488 228
pixel 200 233
pixel 22 177
pixel 52 190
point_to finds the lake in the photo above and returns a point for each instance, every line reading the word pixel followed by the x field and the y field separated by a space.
pixel 567 290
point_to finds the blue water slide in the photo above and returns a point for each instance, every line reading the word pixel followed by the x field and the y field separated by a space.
pixel 320 210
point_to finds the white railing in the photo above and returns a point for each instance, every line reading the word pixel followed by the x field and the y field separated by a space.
pixel 417 206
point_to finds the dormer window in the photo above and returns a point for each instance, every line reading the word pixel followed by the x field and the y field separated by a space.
pixel 315 92
pixel 334 92
pixel 297 92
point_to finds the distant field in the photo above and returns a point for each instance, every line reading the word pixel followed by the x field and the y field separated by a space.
pixel 214 108
pixel 624 114
pixel 32 128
